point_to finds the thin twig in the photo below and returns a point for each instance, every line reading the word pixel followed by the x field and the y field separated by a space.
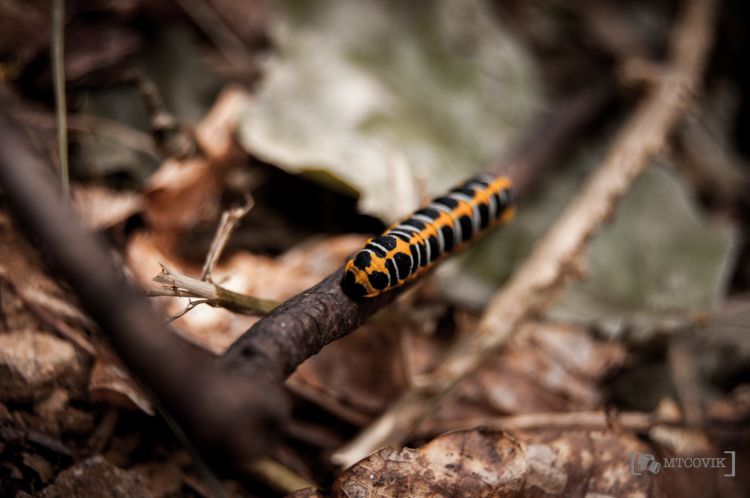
pixel 638 422
pixel 214 26
pixel 180 285
pixel 171 137
pixel 192 304
pixel 229 221
pixel 88 123
pixel 58 77
pixel 278 476
pixel 556 260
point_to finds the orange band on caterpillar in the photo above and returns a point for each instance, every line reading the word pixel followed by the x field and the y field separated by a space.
pixel 412 246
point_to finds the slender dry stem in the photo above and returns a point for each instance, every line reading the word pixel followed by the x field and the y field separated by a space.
pixel 58 77
pixel 229 221
pixel 177 284
pixel 639 422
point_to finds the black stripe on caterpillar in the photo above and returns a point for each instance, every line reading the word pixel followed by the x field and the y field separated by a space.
pixel 444 226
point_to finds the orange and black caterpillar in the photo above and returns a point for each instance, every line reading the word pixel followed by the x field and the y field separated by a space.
pixel 406 249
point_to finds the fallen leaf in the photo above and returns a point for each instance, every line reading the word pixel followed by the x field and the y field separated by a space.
pixel 657 260
pixel 182 194
pixel 32 363
pixel 488 463
pixel 362 90
pixel 110 382
pixel 363 371
pixel 546 367
pixel 101 208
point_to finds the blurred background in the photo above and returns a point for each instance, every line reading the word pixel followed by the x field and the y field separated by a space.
pixel 328 121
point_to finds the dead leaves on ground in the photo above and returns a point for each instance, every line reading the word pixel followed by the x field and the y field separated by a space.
pixel 548 367
pixel 491 463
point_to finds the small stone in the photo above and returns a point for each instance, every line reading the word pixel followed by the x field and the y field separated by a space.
pixel 95 478
pixel 32 363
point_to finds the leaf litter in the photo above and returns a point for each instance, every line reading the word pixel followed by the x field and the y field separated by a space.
pixel 405 94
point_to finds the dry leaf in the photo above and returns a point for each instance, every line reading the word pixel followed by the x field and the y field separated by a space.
pixel 362 371
pixel 487 463
pixel 547 367
pixel 110 382
pixel 32 363
pixel 101 208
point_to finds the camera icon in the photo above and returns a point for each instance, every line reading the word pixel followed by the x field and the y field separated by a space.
pixel 643 462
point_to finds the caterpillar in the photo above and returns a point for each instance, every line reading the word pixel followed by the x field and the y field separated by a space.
pixel 410 247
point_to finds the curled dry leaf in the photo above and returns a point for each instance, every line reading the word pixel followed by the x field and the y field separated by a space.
pixel 110 382
pixel 488 463
pixel 547 367
pixel 101 208
pixel 561 367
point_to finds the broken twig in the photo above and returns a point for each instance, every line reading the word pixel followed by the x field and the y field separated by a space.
pixel 228 223
pixel 180 285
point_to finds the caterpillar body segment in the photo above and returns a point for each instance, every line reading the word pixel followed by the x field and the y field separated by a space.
pixel 410 247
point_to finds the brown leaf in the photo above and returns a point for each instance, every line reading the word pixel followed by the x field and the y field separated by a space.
pixel 32 363
pixel 35 301
pixel 362 371
pixel 101 208
pixel 547 367
pixel 110 382
pixel 161 479
pixel 487 463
